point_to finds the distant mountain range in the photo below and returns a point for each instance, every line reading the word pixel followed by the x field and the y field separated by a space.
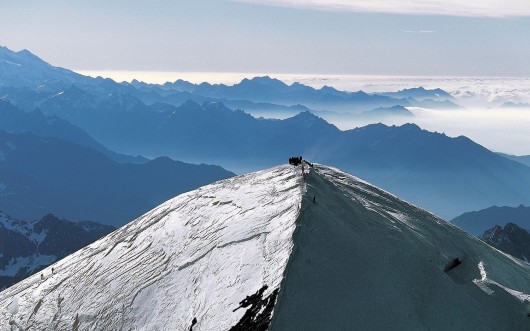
pixel 42 175
pixel 523 159
pixel 420 94
pixel 24 69
pixel 27 247
pixel 28 81
pixel 385 112
pixel 511 239
pixel 476 222
pixel 445 175
pixel 15 120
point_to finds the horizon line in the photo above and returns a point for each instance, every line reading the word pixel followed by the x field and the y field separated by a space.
pixel 226 77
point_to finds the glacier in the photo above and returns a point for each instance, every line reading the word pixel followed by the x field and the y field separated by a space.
pixel 280 249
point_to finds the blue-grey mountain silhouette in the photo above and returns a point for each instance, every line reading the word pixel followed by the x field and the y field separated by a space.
pixel 476 222
pixel 43 175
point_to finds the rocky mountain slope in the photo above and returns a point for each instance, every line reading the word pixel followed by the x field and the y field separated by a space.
pixel 27 247
pixel 511 239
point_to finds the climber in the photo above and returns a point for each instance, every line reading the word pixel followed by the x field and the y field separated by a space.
pixel 314 199
pixel 193 322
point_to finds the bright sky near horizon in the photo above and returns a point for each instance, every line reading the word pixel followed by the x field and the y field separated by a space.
pixel 355 37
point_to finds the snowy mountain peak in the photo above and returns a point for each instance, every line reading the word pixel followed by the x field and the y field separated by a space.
pixel 278 249
pixel 25 69
pixel 196 256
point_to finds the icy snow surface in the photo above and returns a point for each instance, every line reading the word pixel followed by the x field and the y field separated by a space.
pixel 366 260
pixel 360 259
pixel 195 256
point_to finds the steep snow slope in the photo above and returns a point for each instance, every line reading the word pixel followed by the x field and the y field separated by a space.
pixel 356 258
pixel 195 256
pixel 366 260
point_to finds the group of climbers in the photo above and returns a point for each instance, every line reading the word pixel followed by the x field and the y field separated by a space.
pixel 296 160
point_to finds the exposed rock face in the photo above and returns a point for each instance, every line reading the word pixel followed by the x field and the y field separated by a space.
pixel 28 247
pixel 511 239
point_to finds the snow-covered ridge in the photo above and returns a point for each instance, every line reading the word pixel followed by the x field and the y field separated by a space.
pixel 326 250
pixel 367 260
pixel 195 256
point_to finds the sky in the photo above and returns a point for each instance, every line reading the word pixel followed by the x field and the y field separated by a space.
pixel 330 37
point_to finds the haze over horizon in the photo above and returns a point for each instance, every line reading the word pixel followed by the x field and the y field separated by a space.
pixel 334 37
pixel 352 45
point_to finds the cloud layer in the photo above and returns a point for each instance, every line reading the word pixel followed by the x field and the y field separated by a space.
pixel 473 8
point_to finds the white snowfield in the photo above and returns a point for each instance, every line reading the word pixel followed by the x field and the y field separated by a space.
pixel 197 255
pixel 192 260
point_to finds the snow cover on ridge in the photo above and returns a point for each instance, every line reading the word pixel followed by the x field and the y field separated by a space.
pixel 360 259
pixel 195 256
pixel 367 260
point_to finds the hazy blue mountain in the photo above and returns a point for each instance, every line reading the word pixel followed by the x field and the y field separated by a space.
pixel 270 90
pixel 42 175
pixel 267 110
pixel 384 112
pixel 446 175
pixel 28 82
pixel 15 120
pixel 476 222
pixel 25 69
pixel 433 104
pixel 511 239
pixel 30 246
pixel 420 93
pixel 523 159
pixel 180 85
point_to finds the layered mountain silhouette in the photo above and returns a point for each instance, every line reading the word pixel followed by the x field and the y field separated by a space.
pixel 420 94
pixel 52 175
pixel 28 247
pixel 279 249
pixel 384 112
pixel 523 159
pixel 476 222
pixel 14 120
pixel 28 81
pixel 446 175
